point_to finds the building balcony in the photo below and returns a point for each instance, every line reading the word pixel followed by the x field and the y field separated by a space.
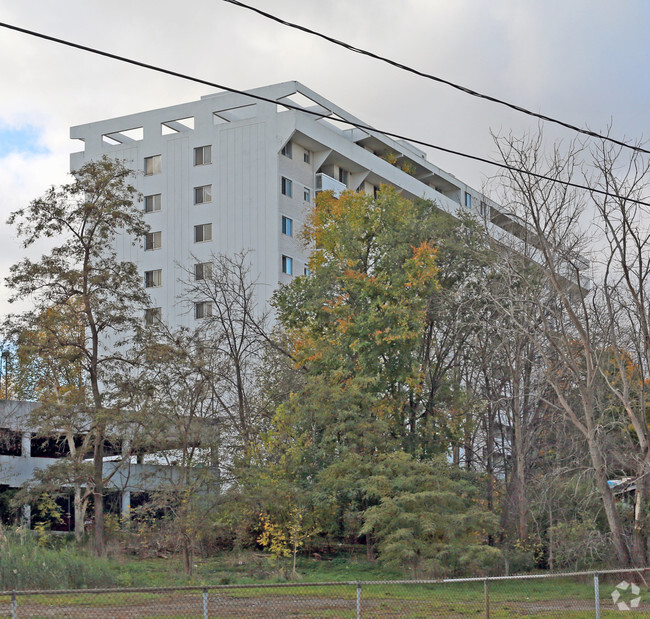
pixel 327 183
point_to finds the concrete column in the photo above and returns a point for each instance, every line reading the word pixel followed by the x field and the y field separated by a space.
pixel 27 517
pixel 26 444
pixel 125 512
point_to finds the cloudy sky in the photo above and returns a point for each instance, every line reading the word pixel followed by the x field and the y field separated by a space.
pixel 585 61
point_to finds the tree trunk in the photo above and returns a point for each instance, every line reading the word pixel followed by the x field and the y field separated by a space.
pixel 640 533
pixel 188 555
pixel 98 492
pixel 551 558
pixel 520 461
pixel 79 514
pixel 613 518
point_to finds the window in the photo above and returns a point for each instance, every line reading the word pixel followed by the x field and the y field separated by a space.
pixel 484 209
pixel 153 240
pixel 287 226
pixel 153 279
pixel 306 271
pixel 152 315
pixel 286 150
pixel 152 203
pixel 343 176
pixel 287 265
pixel 306 194
pixel 202 309
pixel 202 270
pixel 468 200
pixel 286 187
pixel 203 194
pixel 152 165
pixel 203 155
pixel 202 232
pixel 10 442
pixel 306 157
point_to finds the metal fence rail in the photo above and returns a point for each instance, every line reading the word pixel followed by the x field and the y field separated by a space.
pixel 576 594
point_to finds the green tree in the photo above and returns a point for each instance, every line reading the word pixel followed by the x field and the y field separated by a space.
pixel 82 279
pixel 375 330
pixel 356 322
pixel 427 516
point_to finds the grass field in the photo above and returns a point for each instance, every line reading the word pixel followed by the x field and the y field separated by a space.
pixel 552 597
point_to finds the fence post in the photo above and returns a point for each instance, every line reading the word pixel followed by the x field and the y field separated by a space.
pixel 14 605
pixel 486 588
pixel 358 600
pixel 205 604
pixel 597 594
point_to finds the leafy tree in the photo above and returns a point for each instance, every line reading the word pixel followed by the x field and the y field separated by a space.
pixel 375 329
pixel 81 281
pixel 424 513
pixel 356 322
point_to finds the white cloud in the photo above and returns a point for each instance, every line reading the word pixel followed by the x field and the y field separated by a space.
pixel 584 60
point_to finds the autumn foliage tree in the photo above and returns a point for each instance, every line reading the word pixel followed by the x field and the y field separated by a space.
pixel 96 298
pixel 361 329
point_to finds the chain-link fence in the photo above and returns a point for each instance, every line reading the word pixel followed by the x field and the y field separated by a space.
pixel 579 594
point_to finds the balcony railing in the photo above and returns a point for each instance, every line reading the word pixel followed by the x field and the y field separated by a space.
pixel 327 183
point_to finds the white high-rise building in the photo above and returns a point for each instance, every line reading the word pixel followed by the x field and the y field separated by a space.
pixel 231 173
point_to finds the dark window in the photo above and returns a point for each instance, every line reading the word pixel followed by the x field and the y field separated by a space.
pixel 152 203
pixel 286 187
pixel 203 155
pixel 49 447
pixel 286 150
pixel 152 315
pixel 287 265
pixel 203 194
pixel 153 240
pixel 10 442
pixel 202 232
pixel 152 165
pixel 202 270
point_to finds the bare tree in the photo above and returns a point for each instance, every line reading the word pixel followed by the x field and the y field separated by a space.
pixel 625 313
pixel 574 345
pixel 235 334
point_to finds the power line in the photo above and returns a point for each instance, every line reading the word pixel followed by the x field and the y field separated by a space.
pixel 435 78
pixel 297 108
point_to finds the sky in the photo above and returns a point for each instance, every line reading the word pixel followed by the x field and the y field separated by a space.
pixel 584 61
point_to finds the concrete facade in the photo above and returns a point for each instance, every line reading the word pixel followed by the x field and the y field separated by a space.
pixel 23 452
pixel 228 173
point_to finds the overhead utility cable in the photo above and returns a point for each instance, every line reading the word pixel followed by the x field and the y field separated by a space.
pixel 319 115
pixel 435 78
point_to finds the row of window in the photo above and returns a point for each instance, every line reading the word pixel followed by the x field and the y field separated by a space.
pixel 287 266
pixel 202 233
pixel 202 309
pixel 202 156
pixel 202 195
pixel 202 270
pixel 287 189
pixel 153 279
pixel 287 151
